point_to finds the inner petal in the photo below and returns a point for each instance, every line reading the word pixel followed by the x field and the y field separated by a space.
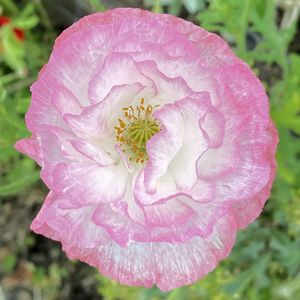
pixel 180 143
pixel 118 69
pixel 175 150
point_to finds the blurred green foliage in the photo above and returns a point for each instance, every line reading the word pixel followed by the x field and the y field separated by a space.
pixel 265 263
pixel 20 63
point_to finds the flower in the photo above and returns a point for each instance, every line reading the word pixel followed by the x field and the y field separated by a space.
pixel 155 142
pixel 18 33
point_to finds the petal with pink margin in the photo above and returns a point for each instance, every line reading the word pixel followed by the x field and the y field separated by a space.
pixel 65 101
pixel 88 183
pixel 180 143
pixel 93 151
pixel 247 208
pixel 114 218
pixel 41 111
pixel 117 69
pixel 30 146
pixel 96 120
pixel 166 264
pixel 55 220
pixel 213 49
pixel 172 212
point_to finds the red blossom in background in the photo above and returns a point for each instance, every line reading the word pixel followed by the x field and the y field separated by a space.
pixel 19 33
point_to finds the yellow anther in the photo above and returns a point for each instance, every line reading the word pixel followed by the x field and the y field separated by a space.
pixel 135 129
pixel 122 124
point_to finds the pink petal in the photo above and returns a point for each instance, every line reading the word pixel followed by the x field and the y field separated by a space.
pixel 172 212
pixel 65 101
pixel 84 124
pixel 166 264
pixel 70 226
pixel 107 78
pixel 93 151
pixel 169 89
pixel 87 183
pixel 41 111
pixel 30 147
pixel 218 162
pixel 113 217
pixel 179 145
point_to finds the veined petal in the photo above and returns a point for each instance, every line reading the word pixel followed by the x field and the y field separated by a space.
pixel 180 143
pixel 65 101
pixel 69 225
pixel 166 264
pixel 169 213
pixel 96 120
pixel 88 183
pixel 93 151
pixel 30 147
pixel 127 74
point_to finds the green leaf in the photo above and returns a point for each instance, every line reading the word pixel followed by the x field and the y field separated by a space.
pixel 175 7
pixel 157 6
pixel 23 105
pixel 28 10
pixel 13 50
pixel 287 290
pixel 96 5
pixel 19 184
pixel 10 5
pixel 26 23
pixel 2 93
pixel 194 6
pixel 9 262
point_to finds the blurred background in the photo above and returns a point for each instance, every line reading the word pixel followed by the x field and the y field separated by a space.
pixel 265 262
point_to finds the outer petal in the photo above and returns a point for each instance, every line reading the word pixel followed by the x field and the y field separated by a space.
pixel 211 47
pixel 180 229
pixel 41 111
pixel 246 209
pixel 165 264
pixel 30 147
pixel 68 172
pixel 59 220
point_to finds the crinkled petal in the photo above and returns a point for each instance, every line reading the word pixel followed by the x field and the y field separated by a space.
pixel 95 120
pixel 88 183
pixel 59 220
pixel 127 74
pixel 171 212
pixel 30 147
pixel 93 151
pixel 178 146
pixel 65 101
pixel 168 265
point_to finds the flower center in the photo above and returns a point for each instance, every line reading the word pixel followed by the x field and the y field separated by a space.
pixel 135 129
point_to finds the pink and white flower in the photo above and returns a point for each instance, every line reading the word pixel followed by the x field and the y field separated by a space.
pixel 156 144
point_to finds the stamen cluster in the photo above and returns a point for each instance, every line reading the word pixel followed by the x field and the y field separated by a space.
pixel 134 131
